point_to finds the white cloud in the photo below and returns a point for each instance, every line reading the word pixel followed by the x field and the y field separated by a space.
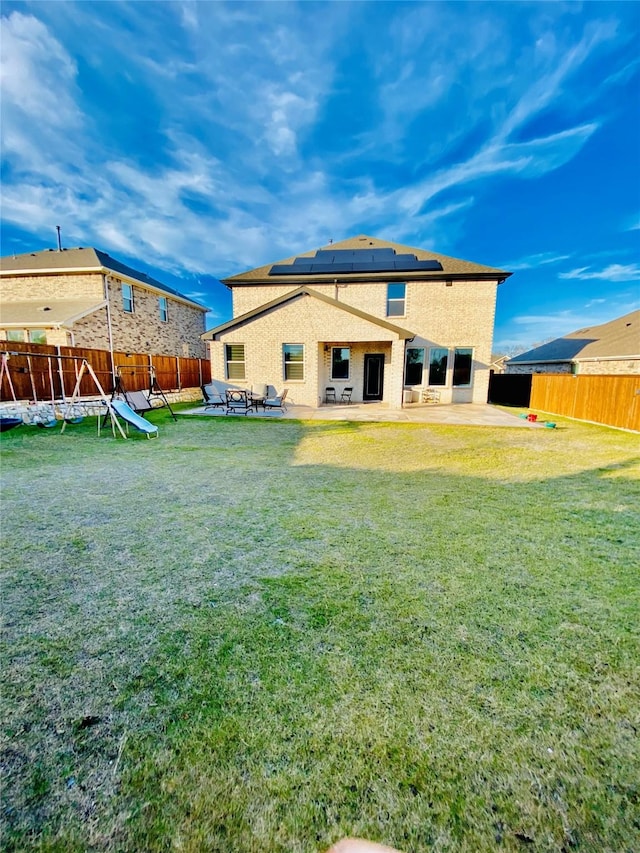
pixel 614 272
pixel 534 261
pixel 525 159
pixel 38 75
pixel 239 90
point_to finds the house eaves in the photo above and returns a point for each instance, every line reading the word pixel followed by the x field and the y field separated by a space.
pixel 210 335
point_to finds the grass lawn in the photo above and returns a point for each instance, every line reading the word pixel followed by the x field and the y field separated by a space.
pixel 263 636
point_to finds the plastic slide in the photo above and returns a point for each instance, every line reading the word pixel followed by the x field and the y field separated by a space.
pixel 127 414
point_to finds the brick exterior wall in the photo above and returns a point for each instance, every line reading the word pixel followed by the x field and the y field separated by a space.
pixel 604 367
pixel 142 331
pixel 614 366
pixel 457 315
pixel 77 285
pixel 538 368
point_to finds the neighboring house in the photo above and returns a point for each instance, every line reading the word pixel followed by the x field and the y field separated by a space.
pixel 83 297
pixel 611 348
pixel 366 314
pixel 498 363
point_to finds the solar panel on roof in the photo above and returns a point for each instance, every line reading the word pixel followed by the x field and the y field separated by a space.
pixel 328 261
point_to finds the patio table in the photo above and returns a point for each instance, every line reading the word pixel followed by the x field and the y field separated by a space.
pixel 256 400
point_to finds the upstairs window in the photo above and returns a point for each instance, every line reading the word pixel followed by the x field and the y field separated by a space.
pixel 340 360
pixel 234 355
pixel 163 308
pixel 438 360
pixel 127 298
pixel 15 335
pixel 37 336
pixel 462 362
pixel 414 366
pixel 293 355
pixel 395 299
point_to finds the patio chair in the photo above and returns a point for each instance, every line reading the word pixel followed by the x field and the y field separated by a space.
pixel 212 397
pixel 238 402
pixel 276 402
pixel 430 395
pixel 330 395
pixel 258 393
pixel 137 400
pixel 345 397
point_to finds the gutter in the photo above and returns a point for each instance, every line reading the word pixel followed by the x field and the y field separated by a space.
pixel 351 278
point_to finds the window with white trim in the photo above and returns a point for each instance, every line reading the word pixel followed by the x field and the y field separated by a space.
pixel 127 298
pixel 340 362
pixel 414 366
pixel 438 361
pixel 163 309
pixel 396 293
pixel 234 357
pixel 293 357
pixel 15 335
pixel 37 336
pixel 462 362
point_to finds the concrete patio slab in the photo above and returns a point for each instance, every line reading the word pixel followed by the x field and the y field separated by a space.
pixel 470 414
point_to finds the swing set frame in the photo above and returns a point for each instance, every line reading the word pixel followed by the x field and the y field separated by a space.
pixel 153 390
pixel 65 405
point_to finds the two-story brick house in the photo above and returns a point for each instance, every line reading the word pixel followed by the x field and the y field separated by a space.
pixel 366 314
pixel 85 298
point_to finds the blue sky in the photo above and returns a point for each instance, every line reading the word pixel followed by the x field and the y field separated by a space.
pixel 195 140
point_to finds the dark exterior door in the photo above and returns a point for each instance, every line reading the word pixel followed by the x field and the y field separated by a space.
pixel 373 377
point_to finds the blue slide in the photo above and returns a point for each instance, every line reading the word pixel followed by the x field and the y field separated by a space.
pixel 127 414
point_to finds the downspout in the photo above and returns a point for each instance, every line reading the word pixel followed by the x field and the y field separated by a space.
pixel 109 330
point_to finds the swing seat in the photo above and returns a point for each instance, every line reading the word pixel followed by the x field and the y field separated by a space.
pixel 9 423
pixel 48 424
pixel 77 420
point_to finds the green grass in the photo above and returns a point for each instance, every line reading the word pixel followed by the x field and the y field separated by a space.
pixel 263 636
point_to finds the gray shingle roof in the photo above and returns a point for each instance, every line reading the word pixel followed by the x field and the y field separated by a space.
pixel 85 259
pixel 451 267
pixel 44 313
pixel 617 338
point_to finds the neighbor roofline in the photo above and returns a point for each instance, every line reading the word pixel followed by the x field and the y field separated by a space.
pixel 210 335
pixel 574 359
pixel 82 314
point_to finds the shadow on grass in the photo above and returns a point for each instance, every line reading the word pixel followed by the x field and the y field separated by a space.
pixel 275 648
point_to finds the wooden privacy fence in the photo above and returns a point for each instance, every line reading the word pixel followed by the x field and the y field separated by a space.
pixel 44 372
pixel 610 400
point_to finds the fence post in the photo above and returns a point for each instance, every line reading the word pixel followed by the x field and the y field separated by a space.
pixel 61 374
pixel 178 373
pixel 200 371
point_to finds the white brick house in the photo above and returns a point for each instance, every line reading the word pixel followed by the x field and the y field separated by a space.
pixel 85 298
pixel 366 314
